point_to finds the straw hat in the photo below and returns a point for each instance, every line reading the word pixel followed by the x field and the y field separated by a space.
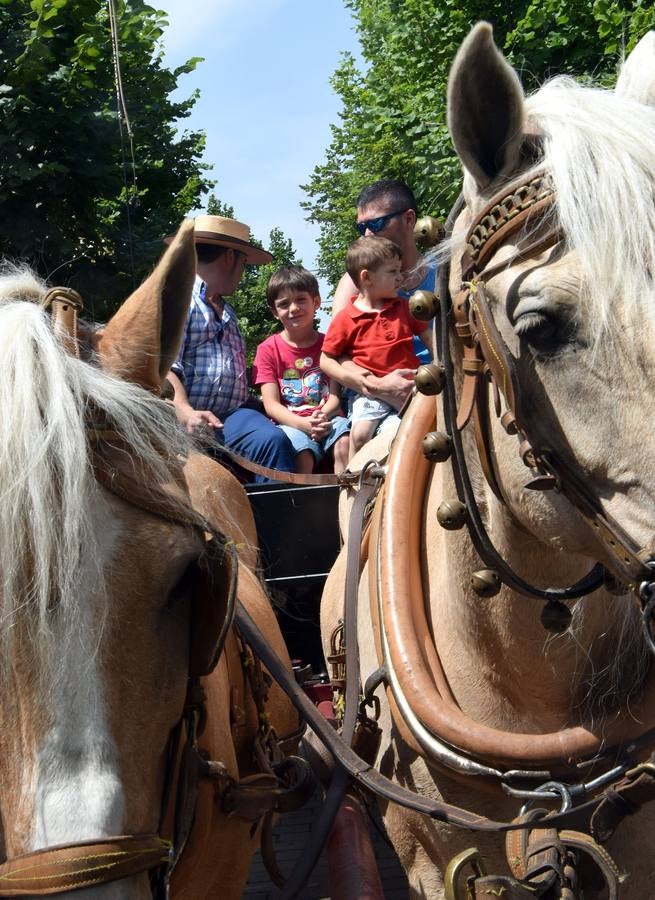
pixel 228 233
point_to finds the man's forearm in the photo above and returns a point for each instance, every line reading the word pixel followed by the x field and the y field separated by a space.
pixel 180 397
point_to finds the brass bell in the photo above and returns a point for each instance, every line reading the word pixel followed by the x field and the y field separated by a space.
pixel 428 231
pixel 451 515
pixel 423 305
pixel 556 617
pixel 486 582
pixel 430 379
pixel 436 446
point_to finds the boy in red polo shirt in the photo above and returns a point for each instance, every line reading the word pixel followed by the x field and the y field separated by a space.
pixel 375 331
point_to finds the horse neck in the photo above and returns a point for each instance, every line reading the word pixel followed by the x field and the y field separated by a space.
pixel 503 667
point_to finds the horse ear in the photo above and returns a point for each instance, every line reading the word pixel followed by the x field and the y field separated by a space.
pixel 637 78
pixel 142 339
pixel 485 108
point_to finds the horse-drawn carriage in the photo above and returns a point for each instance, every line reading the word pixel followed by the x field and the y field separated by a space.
pixel 499 674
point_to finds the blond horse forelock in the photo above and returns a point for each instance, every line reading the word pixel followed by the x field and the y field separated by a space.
pixel 598 149
pixel 50 561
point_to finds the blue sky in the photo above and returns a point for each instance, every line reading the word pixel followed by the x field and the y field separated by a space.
pixel 266 104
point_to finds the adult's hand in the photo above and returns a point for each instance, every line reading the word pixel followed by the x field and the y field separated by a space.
pixel 394 388
pixel 193 419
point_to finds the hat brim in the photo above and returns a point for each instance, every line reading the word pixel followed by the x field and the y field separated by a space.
pixel 255 256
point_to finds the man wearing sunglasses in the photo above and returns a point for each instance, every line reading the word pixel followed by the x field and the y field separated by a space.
pixel 388 208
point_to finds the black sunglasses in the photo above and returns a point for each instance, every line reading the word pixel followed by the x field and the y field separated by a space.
pixel 376 225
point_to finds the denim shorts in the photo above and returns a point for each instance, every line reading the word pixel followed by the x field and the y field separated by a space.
pixel 370 409
pixel 301 441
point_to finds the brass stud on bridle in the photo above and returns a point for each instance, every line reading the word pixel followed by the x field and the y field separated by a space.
pixel 436 446
pixel 486 582
pixel 451 515
pixel 430 379
pixel 424 305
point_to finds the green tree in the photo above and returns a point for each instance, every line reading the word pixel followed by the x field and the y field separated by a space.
pixel 71 203
pixel 393 117
pixel 255 319
pixel 216 207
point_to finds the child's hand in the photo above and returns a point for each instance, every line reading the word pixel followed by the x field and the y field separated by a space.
pixel 320 425
pixel 321 430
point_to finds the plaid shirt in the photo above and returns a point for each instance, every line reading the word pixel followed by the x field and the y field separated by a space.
pixel 212 360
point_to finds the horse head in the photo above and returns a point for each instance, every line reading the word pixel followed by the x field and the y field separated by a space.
pixel 576 314
pixel 113 531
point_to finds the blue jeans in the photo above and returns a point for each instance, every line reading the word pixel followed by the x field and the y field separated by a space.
pixel 251 434
pixel 301 441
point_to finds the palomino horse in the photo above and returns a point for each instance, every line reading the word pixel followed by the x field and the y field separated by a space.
pixel 109 598
pixel 551 275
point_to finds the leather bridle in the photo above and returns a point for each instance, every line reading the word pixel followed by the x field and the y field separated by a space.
pixel 487 359
pixel 67 867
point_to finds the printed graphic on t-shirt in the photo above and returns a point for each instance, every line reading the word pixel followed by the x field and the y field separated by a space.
pixel 303 387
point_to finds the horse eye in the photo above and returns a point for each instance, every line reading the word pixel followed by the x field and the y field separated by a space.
pixel 183 587
pixel 544 333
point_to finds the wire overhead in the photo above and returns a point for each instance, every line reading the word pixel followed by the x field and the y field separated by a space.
pixel 124 127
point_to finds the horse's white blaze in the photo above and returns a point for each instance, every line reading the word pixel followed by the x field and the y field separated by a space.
pixel 78 793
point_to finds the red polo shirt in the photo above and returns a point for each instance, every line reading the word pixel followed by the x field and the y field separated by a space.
pixel 377 340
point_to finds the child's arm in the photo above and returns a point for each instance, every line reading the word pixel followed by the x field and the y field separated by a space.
pixel 279 412
pixel 332 406
pixel 427 338
pixel 346 372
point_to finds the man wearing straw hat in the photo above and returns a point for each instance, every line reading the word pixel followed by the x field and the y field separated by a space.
pixel 209 376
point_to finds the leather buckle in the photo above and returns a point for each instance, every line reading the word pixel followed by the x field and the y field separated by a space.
pixel 454 869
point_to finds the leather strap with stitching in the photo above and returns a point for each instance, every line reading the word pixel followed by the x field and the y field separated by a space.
pixel 68 867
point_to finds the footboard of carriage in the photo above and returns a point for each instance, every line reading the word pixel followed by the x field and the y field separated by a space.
pixel 298 532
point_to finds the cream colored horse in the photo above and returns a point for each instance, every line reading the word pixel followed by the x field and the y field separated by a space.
pixel 95 595
pixel 579 321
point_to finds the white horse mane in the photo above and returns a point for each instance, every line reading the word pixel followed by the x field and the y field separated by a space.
pixel 598 149
pixel 48 544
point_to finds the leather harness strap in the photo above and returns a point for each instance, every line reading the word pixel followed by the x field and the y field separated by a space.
pixel 367 777
pixel 69 867
pixel 343 478
pixel 64 304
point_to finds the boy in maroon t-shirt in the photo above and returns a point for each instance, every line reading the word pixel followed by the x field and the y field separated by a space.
pixel 375 331
pixel 297 394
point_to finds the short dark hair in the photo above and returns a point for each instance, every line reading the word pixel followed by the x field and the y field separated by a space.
pixel 370 252
pixel 290 278
pixel 208 253
pixel 394 192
